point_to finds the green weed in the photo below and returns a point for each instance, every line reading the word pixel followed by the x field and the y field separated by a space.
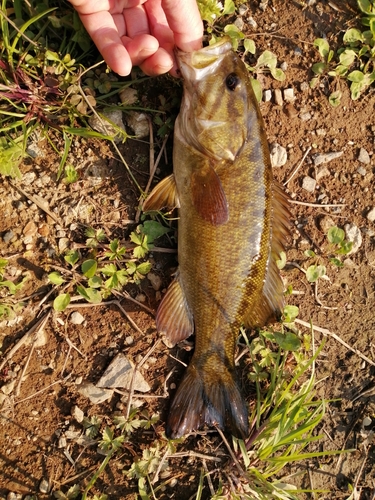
pixel 353 62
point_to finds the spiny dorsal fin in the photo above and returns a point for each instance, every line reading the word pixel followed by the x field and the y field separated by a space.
pixel 164 195
pixel 271 301
pixel 174 319
pixel 208 196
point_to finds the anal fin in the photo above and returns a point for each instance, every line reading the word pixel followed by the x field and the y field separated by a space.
pixel 164 195
pixel 174 319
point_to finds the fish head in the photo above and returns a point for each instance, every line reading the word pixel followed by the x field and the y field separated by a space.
pixel 218 99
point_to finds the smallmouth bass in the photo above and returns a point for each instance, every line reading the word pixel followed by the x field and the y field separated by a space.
pixel 233 223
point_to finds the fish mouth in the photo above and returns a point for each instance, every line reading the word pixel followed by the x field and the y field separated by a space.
pixel 198 64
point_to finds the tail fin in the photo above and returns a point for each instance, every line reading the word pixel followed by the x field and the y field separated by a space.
pixel 208 399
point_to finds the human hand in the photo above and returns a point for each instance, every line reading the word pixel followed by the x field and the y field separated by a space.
pixel 141 32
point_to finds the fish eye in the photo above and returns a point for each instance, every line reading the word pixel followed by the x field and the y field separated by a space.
pixel 232 81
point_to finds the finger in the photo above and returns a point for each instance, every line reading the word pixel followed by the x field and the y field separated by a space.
pixel 140 47
pixel 102 29
pixel 185 21
pixel 113 6
pixel 159 63
pixel 136 21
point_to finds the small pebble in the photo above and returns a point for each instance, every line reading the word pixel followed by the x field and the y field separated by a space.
pixel 128 96
pixel 28 178
pixel 239 23
pixel 289 95
pixel 63 244
pixel 155 281
pixel 304 87
pixel 242 9
pixel 321 172
pixel 326 157
pixel 278 155
pixel 8 236
pixel 44 486
pixel 284 66
pixel 129 340
pixel 371 215
pixel 363 156
pixel 77 413
pixel 76 318
pixel 278 97
pixel 139 123
pixel 308 184
pixel 267 95
pixel 326 223
pixel 354 235
pixel 14 496
pixel 305 117
pixel 362 171
pixel 251 22
pixel 104 127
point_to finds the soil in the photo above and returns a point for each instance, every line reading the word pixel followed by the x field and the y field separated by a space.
pixel 40 427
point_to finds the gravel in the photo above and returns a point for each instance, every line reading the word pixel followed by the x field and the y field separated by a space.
pixel 363 156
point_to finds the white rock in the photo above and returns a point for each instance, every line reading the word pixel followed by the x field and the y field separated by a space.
pixel 321 172
pixel 267 95
pixel 63 244
pixel 76 318
pixel 8 388
pixel 155 281
pixel 128 96
pixel 308 184
pixel 289 95
pixel 354 235
pixel 44 486
pixel 320 158
pixel 363 156
pixel 103 125
pixel 119 374
pixel 77 413
pixel 278 97
pixel 139 123
pixel 95 394
pixel 371 215
pixel 278 155
pixel 361 171
pixel 305 117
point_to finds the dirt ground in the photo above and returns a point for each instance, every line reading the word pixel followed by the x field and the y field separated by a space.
pixel 39 427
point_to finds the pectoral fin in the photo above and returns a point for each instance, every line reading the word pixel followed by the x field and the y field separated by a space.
pixel 174 319
pixel 208 196
pixel 164 195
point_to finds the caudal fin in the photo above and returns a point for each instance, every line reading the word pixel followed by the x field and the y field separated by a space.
pixel 208 400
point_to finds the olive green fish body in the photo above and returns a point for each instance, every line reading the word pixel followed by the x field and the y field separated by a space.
pixel 227 241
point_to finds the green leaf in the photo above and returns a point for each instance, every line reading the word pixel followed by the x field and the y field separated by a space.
pixel 89 267
pixel 61 302
pixel 267 59
pixel 366 7
pixel 153 230
pixel 335 235
pixel 257 88
pixel 319 68
pixel 315 272
pixel 309 253
pixel 144 268
pixel 249 46
pixel 282 261
pixel 335 98
pixel 356 76
pixel 71 174
pixel 355 90
pixel 290 313
pixel 336 262
pixel 287 341
pixel 95 282
pixel 72 257
pixel 278 74
pixel 229 7
pixel 345 248
pixel 56 278
pixel 3 264
pixel 109 269
pixel 347 57
pixel 323 46
pixel 90 294
pixel 352 35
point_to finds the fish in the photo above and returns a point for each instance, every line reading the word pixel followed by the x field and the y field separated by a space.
pixel 233 223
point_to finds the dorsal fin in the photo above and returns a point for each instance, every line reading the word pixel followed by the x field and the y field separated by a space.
pixel 271 301
pixel 164 195
pixel 208 196
pixel 174 319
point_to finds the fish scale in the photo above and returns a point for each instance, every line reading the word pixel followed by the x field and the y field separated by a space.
pixel 233 223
